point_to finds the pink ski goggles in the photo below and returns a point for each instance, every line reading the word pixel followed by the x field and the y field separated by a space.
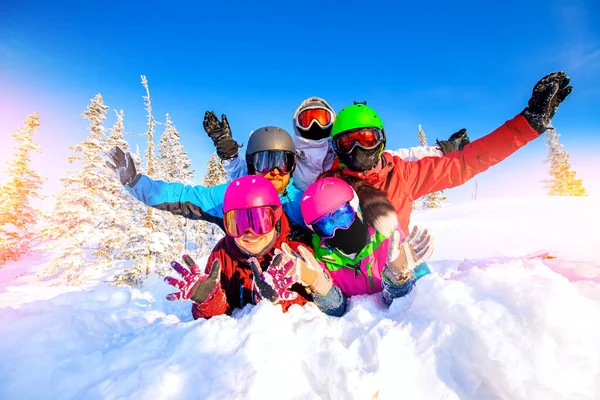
pixel 258 220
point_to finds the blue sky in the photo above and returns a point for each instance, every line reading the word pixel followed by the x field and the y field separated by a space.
pixel 445 65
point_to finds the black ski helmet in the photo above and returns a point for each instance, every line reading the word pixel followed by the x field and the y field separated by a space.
pixel 268 138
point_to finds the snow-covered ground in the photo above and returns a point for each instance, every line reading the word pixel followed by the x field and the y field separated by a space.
pixel 493 321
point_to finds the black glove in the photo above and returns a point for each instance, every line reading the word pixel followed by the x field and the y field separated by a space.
pixel 220 133
pixel 122 164
pixel 456 142
pixel 547 95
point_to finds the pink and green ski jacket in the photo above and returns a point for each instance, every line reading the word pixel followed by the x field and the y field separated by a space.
pixel 361 275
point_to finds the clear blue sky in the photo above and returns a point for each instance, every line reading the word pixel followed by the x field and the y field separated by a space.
pixel 445 65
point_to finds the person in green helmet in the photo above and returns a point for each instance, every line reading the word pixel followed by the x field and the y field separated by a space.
pixel 312 122
pixel 359 137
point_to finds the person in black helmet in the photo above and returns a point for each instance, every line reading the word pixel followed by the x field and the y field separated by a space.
pixel 270 153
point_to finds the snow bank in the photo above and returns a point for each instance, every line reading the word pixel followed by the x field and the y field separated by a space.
pixel 491 324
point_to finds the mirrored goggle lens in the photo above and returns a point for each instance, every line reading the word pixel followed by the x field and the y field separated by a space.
pixel 266 161
pixel 367 138
pixel 322 116
pixel 341 218
pixel 260 221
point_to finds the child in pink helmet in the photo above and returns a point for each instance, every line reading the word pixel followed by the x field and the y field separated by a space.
pixel 244 268
pixel 360 258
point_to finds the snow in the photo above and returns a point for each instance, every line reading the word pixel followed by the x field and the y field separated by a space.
pixel 493 321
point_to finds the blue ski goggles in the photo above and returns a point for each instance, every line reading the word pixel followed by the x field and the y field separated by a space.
pixel 340 218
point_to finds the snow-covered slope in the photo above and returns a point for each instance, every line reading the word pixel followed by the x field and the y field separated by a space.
pixel 492 321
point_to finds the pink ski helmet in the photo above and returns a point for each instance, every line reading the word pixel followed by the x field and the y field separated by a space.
pixel 325 196
pixel 251 191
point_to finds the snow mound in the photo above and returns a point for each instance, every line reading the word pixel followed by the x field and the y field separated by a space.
pixel 493 321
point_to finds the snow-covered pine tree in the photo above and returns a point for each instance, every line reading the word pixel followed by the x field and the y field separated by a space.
pixel 147 252
pixel 150 167
pixel 128 239
pixel 215 173
pixel 82 208
pixel 119 222
pixel 422 137
pixel 137 159
pixel 209 234
pixel 431 200
pixel 173 161
pixel 563 182
pixel 173 165
pixel 17 216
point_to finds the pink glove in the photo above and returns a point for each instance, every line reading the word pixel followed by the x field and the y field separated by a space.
pixel 274 283
pixel 196 285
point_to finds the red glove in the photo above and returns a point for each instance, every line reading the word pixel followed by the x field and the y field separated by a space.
pixel 274 283
pixel 195 286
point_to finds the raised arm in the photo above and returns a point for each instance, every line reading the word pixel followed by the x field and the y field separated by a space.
pixel 430 174
pixel 193 202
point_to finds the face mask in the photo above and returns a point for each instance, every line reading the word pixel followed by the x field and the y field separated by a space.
pixel 351 240
pixel 360 159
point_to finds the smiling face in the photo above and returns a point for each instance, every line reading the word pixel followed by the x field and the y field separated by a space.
pixel 252 243
pixel 279 180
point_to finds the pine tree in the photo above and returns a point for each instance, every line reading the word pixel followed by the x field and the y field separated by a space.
pixel 150 153
pixel 215 173
pixel 209 234
pixel 127 237
pixel 82 208
pixel 173 165
pixel 431 200
pixel 173 161
pixel 17 216
pixel 153 243
pixel 422 137
pixel 563 182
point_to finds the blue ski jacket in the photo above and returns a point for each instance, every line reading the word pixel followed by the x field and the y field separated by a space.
pixel 200 202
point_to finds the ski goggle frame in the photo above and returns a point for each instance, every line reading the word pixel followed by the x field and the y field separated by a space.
pixel 366 138
pixel 258 220
pixel 340 218
pixel 318 115
pixel 266 161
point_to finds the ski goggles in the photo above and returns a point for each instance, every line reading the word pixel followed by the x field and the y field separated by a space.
pixel 367 138
pixel 321 116
pixel 258 220
pixel 340 218
pixel 264 162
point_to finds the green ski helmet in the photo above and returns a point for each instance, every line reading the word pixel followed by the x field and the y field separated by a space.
pixel 354 117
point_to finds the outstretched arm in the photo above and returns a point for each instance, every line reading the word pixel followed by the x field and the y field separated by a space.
pixel 193 202
pixel 430 174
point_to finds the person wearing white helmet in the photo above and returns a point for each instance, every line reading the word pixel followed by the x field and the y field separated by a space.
pixel 312 122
